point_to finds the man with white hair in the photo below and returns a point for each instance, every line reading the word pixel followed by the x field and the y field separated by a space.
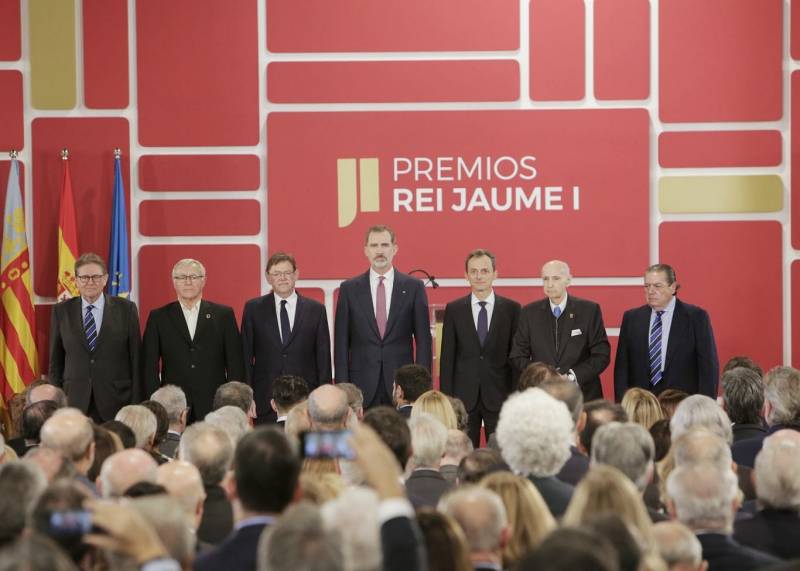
pixel 21 483
pixel 678 547
pixel 704 498
pixel 173 399
pixel 70 433
pixel 123 469
pixel 354 515
pixel 300 540
pixel 482 516
pixel 141 421
pixel 535 434
pixel 776 528
pixel 328 408
pixel 40 390
pixel 232 420
pixel 426 484
pixel 183 482
pixel 700 410
pixel 458 447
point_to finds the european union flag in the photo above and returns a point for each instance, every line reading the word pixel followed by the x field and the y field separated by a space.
pixel 118 258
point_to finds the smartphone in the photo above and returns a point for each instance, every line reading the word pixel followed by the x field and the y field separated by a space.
pixel 71 523
pixel 327 444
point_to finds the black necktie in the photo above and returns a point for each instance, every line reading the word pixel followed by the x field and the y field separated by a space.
pixel 286 329
pixel 483 323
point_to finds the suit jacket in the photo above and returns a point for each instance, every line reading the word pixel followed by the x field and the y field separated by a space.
pixel 744 452
pixel 402 545
pixel 725 554
pixel 197 365
pixel 405 410
pixel 238 552
pixel 424 488
pixel 582 341
pixel 555 493
pixel 466 368
pixel 360 355
pixel 109 374
pixel 307 352
pixel 771 531
pixel 575 468
pixel 217 521
pixel 169 447
pixel 747 431
pixel 691 363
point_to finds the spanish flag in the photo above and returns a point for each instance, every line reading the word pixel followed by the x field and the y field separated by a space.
pixel 18 355
pixel 67 238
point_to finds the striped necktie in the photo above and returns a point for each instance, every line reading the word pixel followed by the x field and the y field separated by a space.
pixel 655 350
pixel 91 328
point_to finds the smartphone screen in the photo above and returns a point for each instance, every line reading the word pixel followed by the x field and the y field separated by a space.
pixel 327 444
pixel 72 523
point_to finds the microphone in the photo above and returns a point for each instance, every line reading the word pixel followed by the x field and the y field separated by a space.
pixel 431 279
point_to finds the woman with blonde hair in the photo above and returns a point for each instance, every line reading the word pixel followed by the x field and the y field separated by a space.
pixel 437 404
pixel 642 407
pixel 445 543
pixel 528 515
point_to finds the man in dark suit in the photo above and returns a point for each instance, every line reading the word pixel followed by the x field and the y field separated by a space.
pixel 564 331
pixel 191 342
pixel 426 485
pixel 94 345
pixel 666 344
pixel 476 341
pixel 284 333
pixel 381 322
pixel 410 382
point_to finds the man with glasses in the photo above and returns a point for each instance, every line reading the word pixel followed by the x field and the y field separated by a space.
pixel 284 333
pixel 192 342
pixel 94 345
pixel 666 344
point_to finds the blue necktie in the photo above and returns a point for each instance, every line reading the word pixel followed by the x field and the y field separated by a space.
pixel 286 329
pixel 483 323
pixel 557 311
pixel 91 328
pixel 655 350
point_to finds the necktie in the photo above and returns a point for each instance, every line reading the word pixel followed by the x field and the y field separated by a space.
pixel 91 328
pixel 483 323
pixel 380 306
pixel 655 350
pixel 557 311
pixel 286 329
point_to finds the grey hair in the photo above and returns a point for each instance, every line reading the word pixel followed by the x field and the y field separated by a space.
pixel 21 484
pixel 209 448
pixel 777 474
pixel 458 444
pixel 703 496
pixel 700 410
pixel 168 518
pixel 298 541
pixel 428 440
pixel 628 447
pixel 700 445
pixel 782 390
pixel 173 399
pixel 141 420
pixel 189 262
pixel 354 514
pixel 677 544
pixel 82 435
pixel 230 419
pixel 324 416
pixel 481 514
pixel 743 394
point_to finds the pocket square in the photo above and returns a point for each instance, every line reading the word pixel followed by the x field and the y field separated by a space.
pixel 576 332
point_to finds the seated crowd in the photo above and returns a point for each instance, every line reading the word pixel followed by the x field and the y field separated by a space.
pixel 667 482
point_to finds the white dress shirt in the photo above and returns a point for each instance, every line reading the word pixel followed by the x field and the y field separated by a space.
pixel 388 284
pixel 666 324
pixel 476 309
pixel 97 311
pixel 190 314
pixel 291 309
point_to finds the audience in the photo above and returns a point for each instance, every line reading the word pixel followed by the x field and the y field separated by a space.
pixel 287 391
pixel 642 407
pixel 183 482
pixel 743 399
pixel 425 485
pixel 568 549
pixel 355 400
pixel 353 517
pixel 328 408
pixel 571 395
pixel 123 432
pixel 230 419
pixel 70 433
pixel 599 412
pixel 457 448
pixel 236 394
pixel 106 443
pixel 445 542
pixel 479 463
pixel 410 383
pixel 122 470
pixel 21 483
pixel 392 429
pixel 437 404
pixel 299 540
pixel 535 374
pixel 33 418
pixel 678 547
pixel 669 400
pixel 42 390
pixel 297 420
pixel 173 399
pixel 462 417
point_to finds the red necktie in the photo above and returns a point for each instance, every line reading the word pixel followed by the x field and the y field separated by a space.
pixel 380 306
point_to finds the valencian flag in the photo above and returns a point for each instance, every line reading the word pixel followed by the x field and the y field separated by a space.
pixel 118 261
pixel 67 238
pixel 20 361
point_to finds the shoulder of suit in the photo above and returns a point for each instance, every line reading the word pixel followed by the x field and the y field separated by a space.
pixel 460 301
pixel 499 299
pixel 581 301
pixel 112 300
pixel 221 307
pixel 688 308
pixel 308 301
pixel 535 305
pixel 355 280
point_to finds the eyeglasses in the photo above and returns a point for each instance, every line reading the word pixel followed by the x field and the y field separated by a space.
pixel 658 286
pixel 189 278
pixel 276 275
pixel 96 278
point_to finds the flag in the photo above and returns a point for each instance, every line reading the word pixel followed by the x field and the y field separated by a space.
pixel 119 265
pixel 18 355
pixel 67 241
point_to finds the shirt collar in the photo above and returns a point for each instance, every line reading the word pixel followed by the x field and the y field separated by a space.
pixel 670 306
pixel 489 300
pixel 194 307
pixel 373 275
pixel 562 305
pixel 99 303
pixel 291 300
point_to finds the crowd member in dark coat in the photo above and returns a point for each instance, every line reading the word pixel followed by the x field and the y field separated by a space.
pixel 743 399
pixel 426 484
pixel 410 382
pixel 173 399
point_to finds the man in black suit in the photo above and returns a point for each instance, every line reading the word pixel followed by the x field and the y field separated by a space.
pixel 94 345
pixel 477 337
pixel 410 382
pixel 191 342
pixel 284 333
pixel 426 485
pixel 666 344
pixel 381 322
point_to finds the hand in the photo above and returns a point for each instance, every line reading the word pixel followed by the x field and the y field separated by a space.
pixel 124 530
pixel 379 466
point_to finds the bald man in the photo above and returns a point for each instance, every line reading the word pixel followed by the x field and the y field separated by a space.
pixel 122 470
pixel 183 482
pixel 328 408
pixel 564 331
pixel 70 433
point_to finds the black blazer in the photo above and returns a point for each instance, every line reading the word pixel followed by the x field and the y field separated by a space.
pixel 725 554
pixel 403 545
pixel 360 355
pixel 772 531
pixel 465 366
pixel 582 341
pixel 110 373
pixel 306 354
pixel 424 487
pixel 217 521
pixel 238 552
pixel 691 364
pixel 199 365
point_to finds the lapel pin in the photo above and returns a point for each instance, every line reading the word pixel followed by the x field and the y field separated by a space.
pixel 404 291
pixel 208 316
pixel 571 315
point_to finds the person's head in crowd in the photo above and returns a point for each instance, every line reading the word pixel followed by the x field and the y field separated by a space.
pixel 209 449
pixel 535 433
pixel 70 433
pixel 630 556
pixel 642 407
pixel 35 552
pixel 123 432
pixel 287 391
pixel 777 471
pixel 328 408
pixel 410 383
pixel 458 446
pixel 629 448
pixel 142 489
pixel 173 399
pixel 320 489
pixel 743 361
pixel 571 549
pixel 462 416
pixel 703 497
pixel 60 496
pixel 743 395
pixel 33 418
pixel 106 443
pixel 661 439
pixel 571 395
pixel 319 466
pixel 353 516
pixel 535 374
pixel 445 543
pixel 392 429
pixel 669 401
pixel 232 420
pixel 428 441
pixel 782 396
pixel 529 518
pixel 122 470
pixel 143 423
pixel 162 420
pixel 477 464
pixel 437 404
pixel 698 446
pixel 679 547
pixel 21 483
pixel 236 394
pixel 40 390
pixel 166 516
pixel 297 420
pixel 52 463
pixel 599 412
pixel 482 516
pixel 700 410
pixel 183 482
pixel 355 400
pixel 299 540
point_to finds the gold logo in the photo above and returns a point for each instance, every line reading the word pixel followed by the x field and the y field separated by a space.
pixel 354 175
